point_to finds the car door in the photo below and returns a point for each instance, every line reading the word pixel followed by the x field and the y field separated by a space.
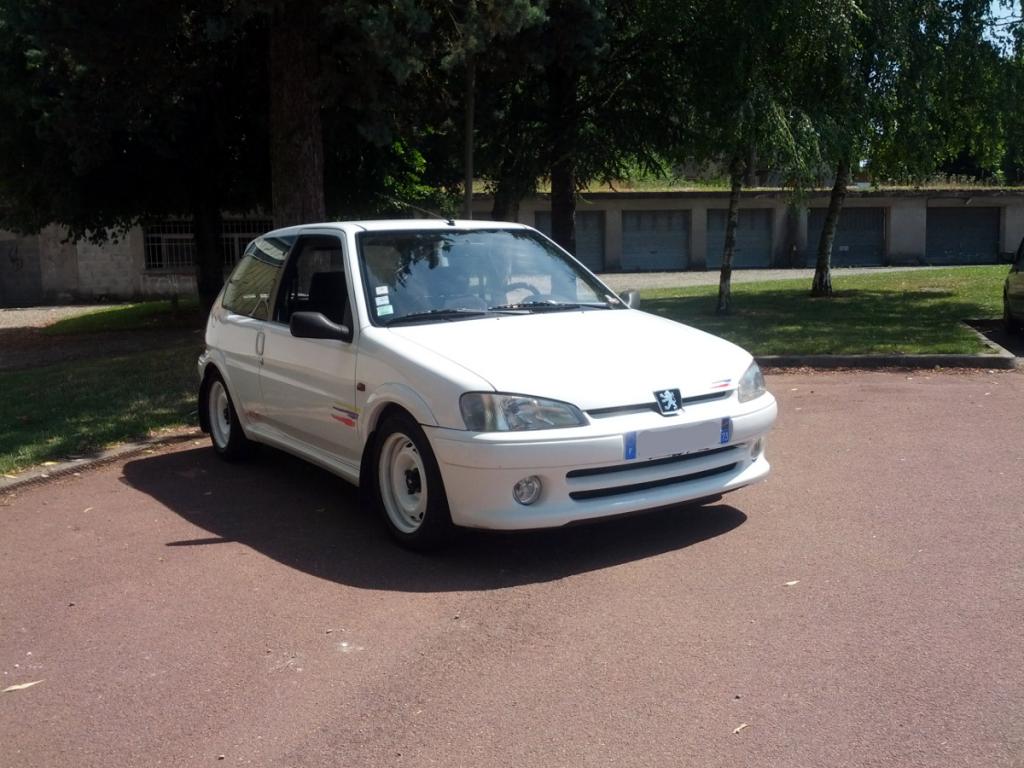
pixel 239 325
pixel 308 385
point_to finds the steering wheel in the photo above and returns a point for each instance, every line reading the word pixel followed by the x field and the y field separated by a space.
pixel 534 291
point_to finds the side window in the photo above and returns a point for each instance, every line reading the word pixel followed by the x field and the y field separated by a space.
pixel 315 281
pixel 251 283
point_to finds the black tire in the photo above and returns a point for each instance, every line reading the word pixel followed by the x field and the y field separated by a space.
pixel 226 434
pixel 407 487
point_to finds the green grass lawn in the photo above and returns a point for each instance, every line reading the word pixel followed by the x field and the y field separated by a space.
pixel 66 410
pixel 131 317
pixel 915 312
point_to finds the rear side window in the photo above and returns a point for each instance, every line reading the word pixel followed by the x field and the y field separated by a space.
pixel 251 284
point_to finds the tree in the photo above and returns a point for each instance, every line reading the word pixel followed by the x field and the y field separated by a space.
pixel 916 86
pixel 744 59
pixel 107 120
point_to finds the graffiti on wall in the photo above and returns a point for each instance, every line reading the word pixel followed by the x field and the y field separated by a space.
pixel 168 284
pixel 10 256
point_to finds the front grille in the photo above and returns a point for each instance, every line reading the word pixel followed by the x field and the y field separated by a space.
pixel 599 493
pixel 623 410
pixel 633 466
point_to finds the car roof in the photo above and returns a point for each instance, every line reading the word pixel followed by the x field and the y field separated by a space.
pixel 391 225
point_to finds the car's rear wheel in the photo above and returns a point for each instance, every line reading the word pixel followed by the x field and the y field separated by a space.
pixel 409 490
pixel 225 432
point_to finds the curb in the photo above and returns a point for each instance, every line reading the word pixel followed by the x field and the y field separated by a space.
pixel 825 362
pixel 999 358
pixel 45 472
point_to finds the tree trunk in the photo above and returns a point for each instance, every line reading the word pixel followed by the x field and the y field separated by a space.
pixel 508 192
pixel 725 278
pixel 296 131
pixel 563 204
pixel 563 125
pixel 209 252
pixel 467 146
pixel 506 203
pixel 822 285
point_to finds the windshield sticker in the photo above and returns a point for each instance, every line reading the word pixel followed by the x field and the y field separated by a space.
pixel 382 300
pixel 344 415
pixel 386 309
pixel 382 290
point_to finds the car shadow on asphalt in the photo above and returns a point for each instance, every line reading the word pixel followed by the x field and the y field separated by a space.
pixel 308 519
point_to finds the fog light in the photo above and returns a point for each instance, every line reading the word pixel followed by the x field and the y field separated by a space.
pixel 757 449
pixel 527 490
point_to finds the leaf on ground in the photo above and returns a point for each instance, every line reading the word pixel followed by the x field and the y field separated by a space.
pixel 740 727
pixel 20 687
pixel 792 583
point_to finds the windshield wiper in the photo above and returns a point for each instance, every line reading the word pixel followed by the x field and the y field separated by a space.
pixel 548 306
pixel 438 314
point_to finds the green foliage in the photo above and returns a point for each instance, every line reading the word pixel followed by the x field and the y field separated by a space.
pixel 126 114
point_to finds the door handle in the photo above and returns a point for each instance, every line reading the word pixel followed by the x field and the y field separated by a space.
pixel 260 337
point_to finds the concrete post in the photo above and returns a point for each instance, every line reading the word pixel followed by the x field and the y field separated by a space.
pixel 906 231
pixel 613 238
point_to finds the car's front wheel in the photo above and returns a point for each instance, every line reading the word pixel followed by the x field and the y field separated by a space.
pixel 409 491
pixel 225 432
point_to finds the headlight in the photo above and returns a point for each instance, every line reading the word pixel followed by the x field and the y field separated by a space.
pixel 752 384
pixel 493 412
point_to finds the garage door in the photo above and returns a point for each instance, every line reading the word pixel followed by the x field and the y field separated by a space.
pixel 962 236
pixel 589 236
pixel 859 240
pixel 655 240
pixel 753 238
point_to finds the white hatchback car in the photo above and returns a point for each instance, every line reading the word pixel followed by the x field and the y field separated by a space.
pixel 473 374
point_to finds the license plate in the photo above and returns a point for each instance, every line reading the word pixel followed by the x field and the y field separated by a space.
pixel 655 443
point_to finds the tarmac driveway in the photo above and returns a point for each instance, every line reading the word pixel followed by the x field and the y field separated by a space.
pixel 861 608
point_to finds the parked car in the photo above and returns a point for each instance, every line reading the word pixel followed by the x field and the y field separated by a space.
pixel 1013 294
pixel 473 374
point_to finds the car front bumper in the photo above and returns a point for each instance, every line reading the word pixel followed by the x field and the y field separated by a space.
pixel 585 472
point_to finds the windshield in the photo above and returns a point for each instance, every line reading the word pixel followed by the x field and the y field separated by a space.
pixel 437 276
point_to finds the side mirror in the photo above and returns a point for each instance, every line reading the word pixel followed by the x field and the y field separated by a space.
pixel 313 325
pixel 630 298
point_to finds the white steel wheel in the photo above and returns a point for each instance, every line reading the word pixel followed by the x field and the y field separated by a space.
pixel 220 415
pixel 402 479
pixel 408 486
pixel 226 433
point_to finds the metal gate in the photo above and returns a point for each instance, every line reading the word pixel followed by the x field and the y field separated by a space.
pixel 859 240
pixel 962 236
pixel 753 238
pixel 589 236
pixel 655 240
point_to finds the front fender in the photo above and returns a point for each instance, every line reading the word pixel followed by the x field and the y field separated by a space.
pixel 394 394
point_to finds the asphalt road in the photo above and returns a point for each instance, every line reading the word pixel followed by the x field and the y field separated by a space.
pixel 861 608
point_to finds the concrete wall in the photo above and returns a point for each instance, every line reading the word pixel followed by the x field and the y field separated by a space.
pixel 45 269
pixel 906 218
